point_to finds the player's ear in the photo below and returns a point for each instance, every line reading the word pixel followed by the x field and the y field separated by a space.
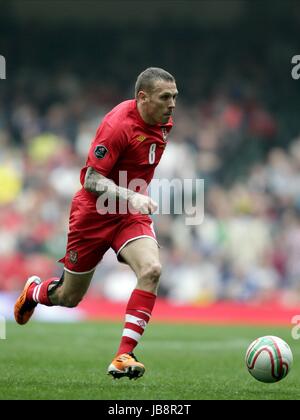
pixel 142 96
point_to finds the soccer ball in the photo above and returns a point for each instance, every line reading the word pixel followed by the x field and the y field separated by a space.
pixel 269 359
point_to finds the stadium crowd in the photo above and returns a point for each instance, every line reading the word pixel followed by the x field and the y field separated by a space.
pixel 247 248
pixel 232 129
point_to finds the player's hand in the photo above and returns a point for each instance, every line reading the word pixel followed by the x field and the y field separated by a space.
pixel 143 203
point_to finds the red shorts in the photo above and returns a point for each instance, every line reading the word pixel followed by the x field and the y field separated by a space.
pixel 91 234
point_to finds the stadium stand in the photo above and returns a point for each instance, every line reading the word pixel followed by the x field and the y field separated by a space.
pixel 237 126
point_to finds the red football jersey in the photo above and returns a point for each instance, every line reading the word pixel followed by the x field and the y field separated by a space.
pixel 124 142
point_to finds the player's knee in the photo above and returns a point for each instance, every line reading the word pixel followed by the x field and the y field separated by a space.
pixel 151 273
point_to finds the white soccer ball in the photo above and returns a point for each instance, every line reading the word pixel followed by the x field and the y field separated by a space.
pixel 269 359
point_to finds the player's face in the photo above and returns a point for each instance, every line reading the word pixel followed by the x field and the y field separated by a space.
pixel 160 103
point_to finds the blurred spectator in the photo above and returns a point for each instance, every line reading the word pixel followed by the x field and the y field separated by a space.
pixel 226 132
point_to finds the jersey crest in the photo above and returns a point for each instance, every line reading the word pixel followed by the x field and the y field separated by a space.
pixel 164 133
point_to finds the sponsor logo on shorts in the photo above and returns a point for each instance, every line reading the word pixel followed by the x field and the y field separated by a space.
pixel 73 257
pixel 100 151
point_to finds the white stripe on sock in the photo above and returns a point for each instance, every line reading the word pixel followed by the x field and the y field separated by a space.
pixel 35 292
pixel 143 312
pixel 137 321
pixel 38 293
pixel 131 334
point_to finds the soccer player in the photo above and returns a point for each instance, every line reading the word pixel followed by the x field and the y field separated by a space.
pixel 125 151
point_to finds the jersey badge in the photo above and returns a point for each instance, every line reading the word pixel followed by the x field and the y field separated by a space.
pixel 100 151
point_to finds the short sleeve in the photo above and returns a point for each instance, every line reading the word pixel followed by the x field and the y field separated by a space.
pixel 108 145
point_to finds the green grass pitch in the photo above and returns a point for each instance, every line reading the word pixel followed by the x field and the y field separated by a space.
pixel 183 362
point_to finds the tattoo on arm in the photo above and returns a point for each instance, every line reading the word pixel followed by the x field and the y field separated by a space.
pixel 99 184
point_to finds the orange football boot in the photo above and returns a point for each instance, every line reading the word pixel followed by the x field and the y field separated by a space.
pixel 126 364
pixel 23 307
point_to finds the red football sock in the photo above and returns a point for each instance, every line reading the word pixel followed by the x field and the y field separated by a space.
pixel 138 313
pixel 39 292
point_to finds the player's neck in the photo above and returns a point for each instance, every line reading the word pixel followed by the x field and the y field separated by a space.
pixel 144 115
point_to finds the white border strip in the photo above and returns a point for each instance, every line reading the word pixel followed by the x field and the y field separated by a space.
pixel 133 239
pixel 83 272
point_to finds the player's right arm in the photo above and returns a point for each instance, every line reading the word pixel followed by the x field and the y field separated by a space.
pixel 110 142
pixel 98 184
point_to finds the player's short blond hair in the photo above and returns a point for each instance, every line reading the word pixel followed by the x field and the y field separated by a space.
pixel 148 77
